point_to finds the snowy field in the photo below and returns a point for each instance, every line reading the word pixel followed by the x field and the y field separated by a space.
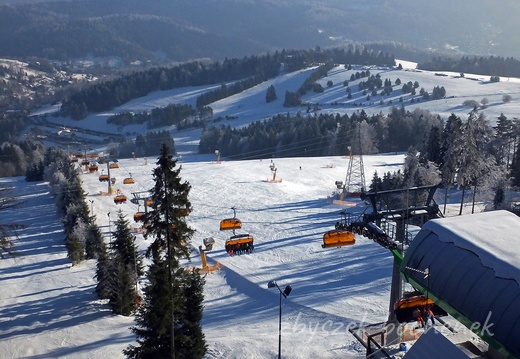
pixel 48 308
pixel 250 105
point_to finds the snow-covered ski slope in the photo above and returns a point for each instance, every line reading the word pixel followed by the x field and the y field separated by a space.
pixel 332 288
pixel 48 308
pixel 248 106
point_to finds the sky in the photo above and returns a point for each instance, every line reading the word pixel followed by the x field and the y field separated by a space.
pixel 49 309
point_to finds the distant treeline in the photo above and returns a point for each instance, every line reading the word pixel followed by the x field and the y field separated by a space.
pixel 493 65
pixel 176 30
pixel 42 31
pixel 108 94
pixel 455 152
pixel 229 90
pixel 144 145
pixel 321 135
pixel 105 95
pixel 180 115
pixel 12 124
pixel 19 158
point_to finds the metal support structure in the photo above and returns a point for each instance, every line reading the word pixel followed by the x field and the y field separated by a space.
pixel 400 206
pixel 110 189
pixel 109 229
pixel 285 293
pixel 370 340
pixel 396 288
pixel 355 179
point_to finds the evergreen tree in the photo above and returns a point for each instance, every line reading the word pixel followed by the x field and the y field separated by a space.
pixel 376 184
pixel 411 168
pixel 104 271
pixel 34 173
pixel 432 149
pixel 477 166
pixel 452 152
pixel 504 138
pixel 499 198
pixel 270 96
pixel 154 318
pixel 123 245
pixel 191 338
pixel 515 168
pixel 126 266
pixel 292 99
pixel 122 298
pixel 167 321
pixel 75 250
pixel 94 241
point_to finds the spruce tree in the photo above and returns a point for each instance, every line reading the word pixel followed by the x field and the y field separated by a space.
pixel 191 338
pixel 431 150
pixel 94 242
pixel 515 168
pixel 376 184
pixel 165 325
pixel 104 270
pixel 126 266
pixel 122 298
pixel 75 250
pixel 452 153
pixel 153 329
pixel 123 245
pixel 270 96
pixel 411 168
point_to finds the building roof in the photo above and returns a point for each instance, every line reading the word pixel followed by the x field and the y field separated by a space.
pixel 433 345
pixel 474 267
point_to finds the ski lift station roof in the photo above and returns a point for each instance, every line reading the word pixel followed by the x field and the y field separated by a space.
pixel 429 344
pixel 473 264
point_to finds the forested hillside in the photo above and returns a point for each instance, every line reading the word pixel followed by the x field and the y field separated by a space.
pixel 178 30
pixel 249 70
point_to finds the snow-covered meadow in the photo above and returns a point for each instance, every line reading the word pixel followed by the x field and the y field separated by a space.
pixel 48 309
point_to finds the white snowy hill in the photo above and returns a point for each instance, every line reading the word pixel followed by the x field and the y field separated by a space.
pixel 250 105
pixel 49 310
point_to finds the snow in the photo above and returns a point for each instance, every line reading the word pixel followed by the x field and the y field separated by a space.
pixel 49 309
pixel 488 235
pixel 243 108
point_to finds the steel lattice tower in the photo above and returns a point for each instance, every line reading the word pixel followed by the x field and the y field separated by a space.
pixel 355 179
